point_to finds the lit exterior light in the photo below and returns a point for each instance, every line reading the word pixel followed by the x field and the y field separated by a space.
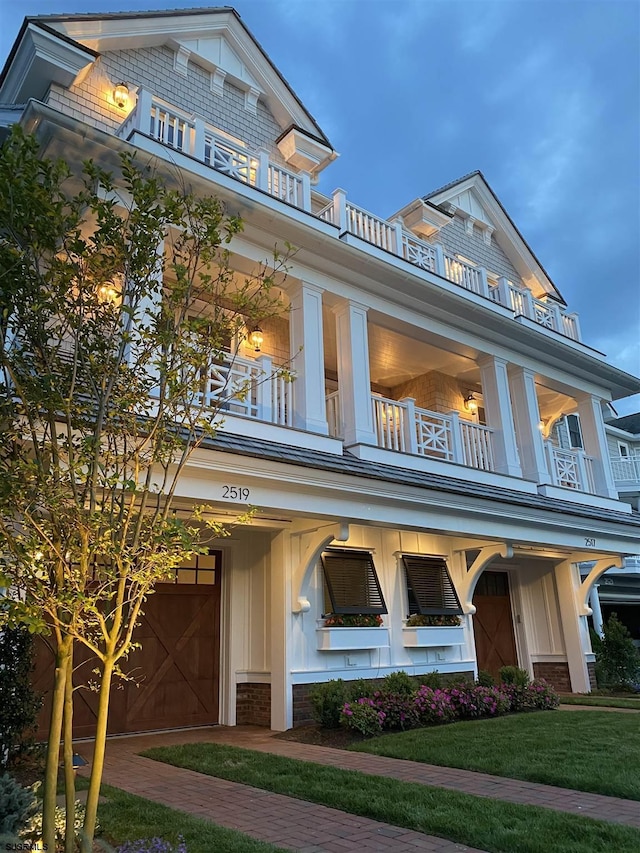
pixel 470 403
pixel 256 339
pixel 108 293
pixel 121 95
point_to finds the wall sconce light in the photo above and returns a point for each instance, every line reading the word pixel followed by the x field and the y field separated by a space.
pixel 121 95
pixel 256 338
pixel 108 293
pixel 470 403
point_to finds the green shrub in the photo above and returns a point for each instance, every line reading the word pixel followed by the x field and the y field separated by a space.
pixel 20 704
pixel 422 620
pixel 430 679
pixel 514 675
pixel 399 683
pixel 617 662
pixel 327 701
pixel 360 687
pixel 485 679
pixel 17 805
pixel 364 716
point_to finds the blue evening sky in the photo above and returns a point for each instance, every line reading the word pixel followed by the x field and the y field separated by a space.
pixel 542 95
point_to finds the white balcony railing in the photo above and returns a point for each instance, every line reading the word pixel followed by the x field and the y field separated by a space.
pixel 250 388
pixel 571 469
pixel 334 419
pixel 626 471
pixel 191 135
pixel 403 427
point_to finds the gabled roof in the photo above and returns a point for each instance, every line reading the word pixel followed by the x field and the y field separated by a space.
pixel 214 37
pixel 472 194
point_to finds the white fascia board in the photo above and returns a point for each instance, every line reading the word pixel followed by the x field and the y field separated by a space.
pixel 113 33
pixel 40 60
pixel 621 433
pixel 284 487
pixel 509 239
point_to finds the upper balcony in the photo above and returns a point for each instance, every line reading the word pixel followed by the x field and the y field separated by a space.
pixel 626 473
pixel 193 136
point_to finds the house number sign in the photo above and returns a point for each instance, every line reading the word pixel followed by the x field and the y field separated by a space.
pixel 589 542
pixel 235 493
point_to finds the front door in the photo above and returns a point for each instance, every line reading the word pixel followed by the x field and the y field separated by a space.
pixel 492 623
pixel 174 675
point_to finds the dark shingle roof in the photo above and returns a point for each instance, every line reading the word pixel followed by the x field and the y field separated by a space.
pixel 629 423
pixel 351 465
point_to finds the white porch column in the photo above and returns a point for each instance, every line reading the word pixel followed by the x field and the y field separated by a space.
pixel 354 380
pixel 574 626
pixel 280 615
pixel 307 358
pixel 497 401
pixel 595 443
pixel 526 415
pixel 594 604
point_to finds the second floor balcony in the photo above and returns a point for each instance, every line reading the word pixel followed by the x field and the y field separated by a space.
pixel 626 472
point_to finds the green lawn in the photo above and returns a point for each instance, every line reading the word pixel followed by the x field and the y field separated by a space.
pixel 124 817
pixel 602 701
pixel 490 825
pixel 594 751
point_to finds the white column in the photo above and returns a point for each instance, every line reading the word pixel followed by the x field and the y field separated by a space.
pixel 354 381
pixel 281 618
pixel 497 401
pixel 526 415
pixel 307 358
pixel 594 604
pixel 574 626
pixel 595 443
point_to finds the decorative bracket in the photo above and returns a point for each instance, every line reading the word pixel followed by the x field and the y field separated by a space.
pixel 302 574
pixel 486 555
pixel 600 567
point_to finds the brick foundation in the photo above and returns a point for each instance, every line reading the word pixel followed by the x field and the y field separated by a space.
pixel 557 674
pixel 253 705
pixel 302 712
pixel 592 675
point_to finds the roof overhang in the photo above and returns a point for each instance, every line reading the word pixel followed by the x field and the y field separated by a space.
pixel 42 56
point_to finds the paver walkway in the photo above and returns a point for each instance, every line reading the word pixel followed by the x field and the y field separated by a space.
pixel 303 826
pixel 275 818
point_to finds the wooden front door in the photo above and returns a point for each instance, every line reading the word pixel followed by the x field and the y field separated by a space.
pixel 492 623
pixel 175 673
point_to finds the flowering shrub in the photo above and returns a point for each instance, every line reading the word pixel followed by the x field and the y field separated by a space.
pixel 399 709
pixel 433 705
pixel 153 845
pixel 352 620
pixel 470 701
pixel 429 706
pixel 364 716
pixel 420 620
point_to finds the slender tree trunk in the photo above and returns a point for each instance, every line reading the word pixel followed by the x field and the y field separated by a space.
pixel 69 775
pixel 97 763
pixel 53 746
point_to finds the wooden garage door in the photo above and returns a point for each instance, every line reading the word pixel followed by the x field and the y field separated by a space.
pixel 492 623
pixel 176 670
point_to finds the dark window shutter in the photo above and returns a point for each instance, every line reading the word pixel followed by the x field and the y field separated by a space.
pixel 351 582
pixel 430 589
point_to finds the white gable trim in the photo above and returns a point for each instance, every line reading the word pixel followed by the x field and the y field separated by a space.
pixel 473 198
pixel 253 69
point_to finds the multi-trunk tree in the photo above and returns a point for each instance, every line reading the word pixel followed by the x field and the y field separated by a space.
pixel 119 303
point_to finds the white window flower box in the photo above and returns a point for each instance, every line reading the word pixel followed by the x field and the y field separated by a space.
pixel 434 636
pixel 351 639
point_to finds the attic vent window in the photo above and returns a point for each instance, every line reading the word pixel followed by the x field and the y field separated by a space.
pixel 351 582
pixel 429 586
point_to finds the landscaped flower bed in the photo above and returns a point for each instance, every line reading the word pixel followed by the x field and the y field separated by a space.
pixel 399 704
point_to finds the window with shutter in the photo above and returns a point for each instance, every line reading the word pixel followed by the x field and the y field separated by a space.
pixel 429 586
pixel 351 583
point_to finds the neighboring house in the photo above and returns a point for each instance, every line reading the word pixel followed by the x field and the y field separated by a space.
pixel 619 590
pixel 427 459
